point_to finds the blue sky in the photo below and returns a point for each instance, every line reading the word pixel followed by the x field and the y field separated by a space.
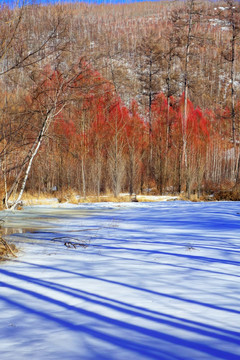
pixel 10 2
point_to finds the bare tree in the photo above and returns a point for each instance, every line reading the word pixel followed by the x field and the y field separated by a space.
pixel 184 21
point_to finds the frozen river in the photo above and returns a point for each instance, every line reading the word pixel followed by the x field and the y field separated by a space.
pixel 122 281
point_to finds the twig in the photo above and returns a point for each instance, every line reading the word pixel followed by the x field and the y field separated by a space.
pixel 69 243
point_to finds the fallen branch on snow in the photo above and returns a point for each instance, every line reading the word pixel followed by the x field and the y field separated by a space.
pixel 72 244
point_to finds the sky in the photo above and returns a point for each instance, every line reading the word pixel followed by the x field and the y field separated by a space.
pixel 10 2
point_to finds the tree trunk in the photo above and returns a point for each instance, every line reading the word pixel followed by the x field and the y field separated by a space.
pixel 31 155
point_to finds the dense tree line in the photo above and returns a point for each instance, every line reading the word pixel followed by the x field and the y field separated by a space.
pixel 102 98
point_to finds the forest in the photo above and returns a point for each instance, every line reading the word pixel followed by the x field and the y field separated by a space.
pixel 139 97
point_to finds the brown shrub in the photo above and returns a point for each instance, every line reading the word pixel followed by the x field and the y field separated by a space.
pixel 6 249
pixel 227 195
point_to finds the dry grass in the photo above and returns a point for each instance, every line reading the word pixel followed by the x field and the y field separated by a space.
pixel 104 198
pixel 227 195
pixel 31 197
pixel 67 196
pixel 193 197
pixel 7 250
pixel 72 197
pixel 1 195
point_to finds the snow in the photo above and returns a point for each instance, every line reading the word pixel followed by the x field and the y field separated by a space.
pixel 153 281
pixel 223 23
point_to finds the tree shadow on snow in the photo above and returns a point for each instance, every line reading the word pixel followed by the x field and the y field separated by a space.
pixel 148 342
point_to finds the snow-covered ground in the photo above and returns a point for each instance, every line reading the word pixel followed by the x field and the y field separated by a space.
pixel 152 281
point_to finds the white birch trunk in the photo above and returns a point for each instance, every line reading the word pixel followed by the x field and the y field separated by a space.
pixel 33 153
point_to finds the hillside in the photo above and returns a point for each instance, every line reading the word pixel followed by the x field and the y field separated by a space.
pixel 128 97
